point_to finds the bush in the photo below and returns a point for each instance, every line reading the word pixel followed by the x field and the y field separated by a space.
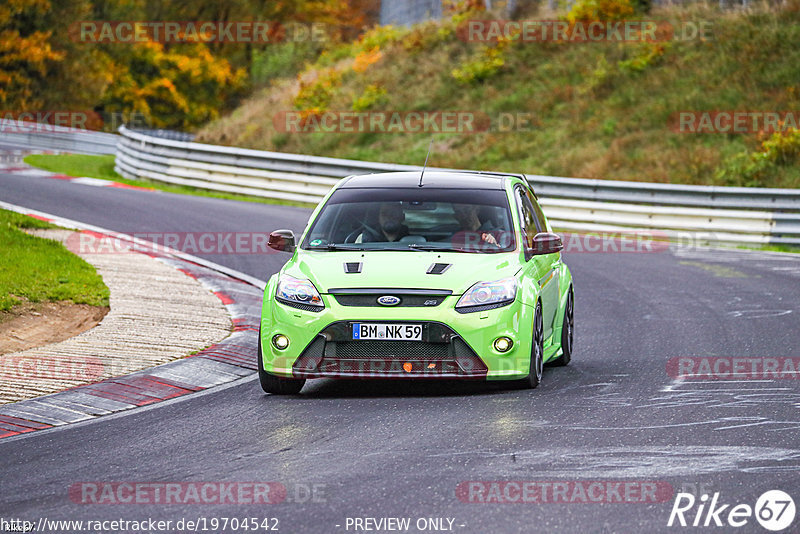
pixel 759 168
pixel 589 10
pixel 316 96
pixel 782 148
pixel 372 96
pixel 380 36
pixel 648 54
pixel 428 35
pixel 489 61
pixel 366 58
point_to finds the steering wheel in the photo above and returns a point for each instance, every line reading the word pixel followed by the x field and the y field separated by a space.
pixel 352 236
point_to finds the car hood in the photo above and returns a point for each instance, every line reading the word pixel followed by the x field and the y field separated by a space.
pixel 390 269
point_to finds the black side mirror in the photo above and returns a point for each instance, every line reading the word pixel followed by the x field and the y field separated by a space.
pixel 281 240
pixel 546 243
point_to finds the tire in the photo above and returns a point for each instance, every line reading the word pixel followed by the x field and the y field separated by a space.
pixel 567 332
pixel 534 377
pixel 276 385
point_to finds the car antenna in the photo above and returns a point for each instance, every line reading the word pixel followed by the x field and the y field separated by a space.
pixel 421 174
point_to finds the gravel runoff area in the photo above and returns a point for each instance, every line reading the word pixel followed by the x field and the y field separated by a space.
pixel 158 314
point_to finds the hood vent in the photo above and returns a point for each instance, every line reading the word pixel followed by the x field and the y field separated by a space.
pixel 352 267
pixel 438 268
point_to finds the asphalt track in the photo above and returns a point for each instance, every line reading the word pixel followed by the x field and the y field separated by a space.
pixel 398 449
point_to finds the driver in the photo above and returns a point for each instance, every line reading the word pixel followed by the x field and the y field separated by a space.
pixel 390 224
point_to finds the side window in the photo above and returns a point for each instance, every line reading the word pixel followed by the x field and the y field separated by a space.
pixel 526 217
pixel 537 212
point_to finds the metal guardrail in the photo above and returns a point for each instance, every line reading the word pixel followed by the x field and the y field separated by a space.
pixel 721 214
pixel 25 134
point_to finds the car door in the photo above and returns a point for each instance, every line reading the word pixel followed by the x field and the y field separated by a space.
pixel 541 270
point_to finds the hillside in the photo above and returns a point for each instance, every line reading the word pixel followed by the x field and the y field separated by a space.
pixel 596 109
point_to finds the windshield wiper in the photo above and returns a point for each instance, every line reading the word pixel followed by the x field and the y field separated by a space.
pixel 334 246
pixel 422 246
pixel 338 247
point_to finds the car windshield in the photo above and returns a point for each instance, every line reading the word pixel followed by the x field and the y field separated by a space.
pixel 457 220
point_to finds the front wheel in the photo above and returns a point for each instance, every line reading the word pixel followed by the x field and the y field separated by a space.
pixel 276 385
pixel 534 378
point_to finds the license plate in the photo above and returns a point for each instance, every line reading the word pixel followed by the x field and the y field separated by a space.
pixel 391 332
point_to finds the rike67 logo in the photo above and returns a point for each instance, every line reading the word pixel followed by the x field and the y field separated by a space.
pixel 774 510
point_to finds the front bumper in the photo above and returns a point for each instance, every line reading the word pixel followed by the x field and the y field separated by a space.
pixel 453 345
pixel 440 354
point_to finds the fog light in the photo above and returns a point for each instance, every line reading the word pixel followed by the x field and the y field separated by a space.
pixel 503 344
pixel 280 342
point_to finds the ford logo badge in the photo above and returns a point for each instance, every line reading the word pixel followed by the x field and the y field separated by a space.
pixel 388 300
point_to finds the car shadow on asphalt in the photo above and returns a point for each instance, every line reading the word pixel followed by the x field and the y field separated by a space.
pixel 353 388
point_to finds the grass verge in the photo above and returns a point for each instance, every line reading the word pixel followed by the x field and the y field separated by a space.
pixel 33 269
pixel 776 248
pixel 102 167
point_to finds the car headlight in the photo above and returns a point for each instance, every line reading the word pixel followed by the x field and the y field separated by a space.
pixel 298 293
pixel 487 295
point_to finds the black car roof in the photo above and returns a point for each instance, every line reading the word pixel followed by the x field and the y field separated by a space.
pixel 431 179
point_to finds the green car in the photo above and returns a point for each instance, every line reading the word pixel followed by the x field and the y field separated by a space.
pixel 413 275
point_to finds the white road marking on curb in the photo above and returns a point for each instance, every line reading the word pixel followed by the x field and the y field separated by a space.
pixel 85 180
pixel 33 172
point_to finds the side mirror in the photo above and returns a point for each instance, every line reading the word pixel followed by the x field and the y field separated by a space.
pixel 546 243
pixel 281 240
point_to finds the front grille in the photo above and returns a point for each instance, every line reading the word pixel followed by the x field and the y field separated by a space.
pixel 381 350
pixel 312 356
pixel 390 369
pixel 442 353
pixel 405 300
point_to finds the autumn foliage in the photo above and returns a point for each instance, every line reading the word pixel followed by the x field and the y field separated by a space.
pixel 175 85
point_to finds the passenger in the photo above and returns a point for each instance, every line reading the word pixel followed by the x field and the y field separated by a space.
pixel 471 231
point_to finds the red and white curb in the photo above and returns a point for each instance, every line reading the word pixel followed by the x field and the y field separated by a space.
pixel 231 359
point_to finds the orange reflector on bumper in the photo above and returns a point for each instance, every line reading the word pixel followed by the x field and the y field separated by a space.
pixel 407 367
